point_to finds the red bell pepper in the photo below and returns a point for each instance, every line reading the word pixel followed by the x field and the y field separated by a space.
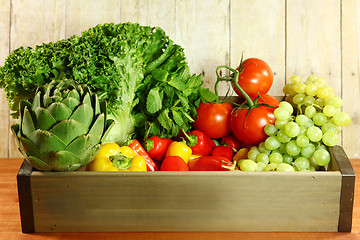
pixel 156 147
pixel 211 163
pixel 223 151
pixel 232 141
pixel 174 163
pixel 199 143
pixel 139 150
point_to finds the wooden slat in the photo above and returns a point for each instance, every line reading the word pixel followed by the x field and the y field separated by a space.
pixel 351 73
pixel 4 52
pixel 192 201
pixel 202 29
pixel 313 40
pixel 31 27
pixel 258 29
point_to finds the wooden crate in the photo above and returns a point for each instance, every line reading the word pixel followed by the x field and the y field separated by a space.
pixel 188 201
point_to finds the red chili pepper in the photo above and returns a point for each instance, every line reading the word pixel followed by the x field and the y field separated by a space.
pixel 211 163
pixel 232 141
pixel 156 147
pixel 174 163
pixel 223 151
pixel 199 143
pixel 139 150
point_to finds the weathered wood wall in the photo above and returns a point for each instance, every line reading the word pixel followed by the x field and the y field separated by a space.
pixel 300 37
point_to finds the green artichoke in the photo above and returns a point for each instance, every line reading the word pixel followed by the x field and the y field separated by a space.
pixel 62 129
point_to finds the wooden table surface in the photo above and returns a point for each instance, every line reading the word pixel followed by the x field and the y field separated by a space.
pixel 10 227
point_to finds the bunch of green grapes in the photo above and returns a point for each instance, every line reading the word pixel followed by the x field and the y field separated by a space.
pixel 308 121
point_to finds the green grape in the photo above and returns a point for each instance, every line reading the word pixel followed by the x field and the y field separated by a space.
pixel 308 151
pixel 253 152
pixel 299 98
pixel 262 148
pixel 262 157
pixel 322 157
pixel 279 124
pixel 311 78
pixel 319 102
pixel 319 119
pixel 292 129
pixel 309 100
pixel 287 158
pixel 272 143
pixel 281 114
pixel 295 79
pixel 302 130
pixel 285 167
pixel 282 137
pixel 330 138
pixel 302 163
pixel 271 167
pixel 314 133
pixel 302 141
pixel 320 146
pixel 336 102
pixel 275 157
pixel 310 111
pixel 282 148
pixel 270 130
pixel 301 120
pixel 287 89
pixel 292 148
pixel 342 119
pixel 310 89
pixel 248 165
pixel 287 106
pixel 261 166
pixel 329 110
pixel 320 82
pixel 322 92
pixel 299 87
pixel 330 127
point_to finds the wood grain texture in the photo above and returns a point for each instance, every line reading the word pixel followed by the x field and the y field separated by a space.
pixel 4 52
pixel 295 37
pixel 172 202
pixel 351 73
pixel 11 228
pixel 258 29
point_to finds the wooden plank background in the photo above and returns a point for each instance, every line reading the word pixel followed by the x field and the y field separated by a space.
pixel 294 36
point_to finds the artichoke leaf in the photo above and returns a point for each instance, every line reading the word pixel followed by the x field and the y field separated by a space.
pixel 38 163
pixel 44 120
pixel 80 145
pixel 47 101
pixel 98 127
pixel 59 111
pixel 83 114
pixel 68 130
pixel 90 154
pixel 37 101
pixel 74 94
pixel 27 123
pixel 96 105
pixel 71 102
pixel 109 124
pixel 62 160
pixel 87 99
pixel 29 147
pixel 46 141
pixel 15 129
pixel 23 104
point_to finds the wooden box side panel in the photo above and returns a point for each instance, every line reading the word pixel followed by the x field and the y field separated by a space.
pixel 199 201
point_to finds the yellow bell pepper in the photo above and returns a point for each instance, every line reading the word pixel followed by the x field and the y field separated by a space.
pixel 179 149
pixel 112 157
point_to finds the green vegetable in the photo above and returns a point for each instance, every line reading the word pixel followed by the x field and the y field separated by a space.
pixel 138 70
pixel 62 128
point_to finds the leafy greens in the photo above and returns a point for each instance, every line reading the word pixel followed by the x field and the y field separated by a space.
pixel 138 70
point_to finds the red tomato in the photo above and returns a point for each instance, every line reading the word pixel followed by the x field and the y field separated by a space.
pixel 213 119
pixel 255 76
pixel 250 129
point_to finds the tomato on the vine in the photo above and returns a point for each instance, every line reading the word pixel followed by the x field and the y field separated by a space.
pixel 249 128
pixel 267 99
pixel 255 76
pixel 213 119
